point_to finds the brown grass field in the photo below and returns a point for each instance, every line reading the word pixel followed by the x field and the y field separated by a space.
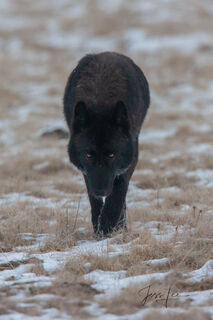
pixel 51 264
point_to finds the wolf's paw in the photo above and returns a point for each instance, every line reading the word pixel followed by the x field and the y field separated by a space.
pixel 107 226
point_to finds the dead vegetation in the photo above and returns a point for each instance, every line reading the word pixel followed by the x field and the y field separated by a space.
pixel 43 208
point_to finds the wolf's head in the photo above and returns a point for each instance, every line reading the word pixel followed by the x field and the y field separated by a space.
pixel 100 145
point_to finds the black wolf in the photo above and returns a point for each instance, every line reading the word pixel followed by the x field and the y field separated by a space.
pixel 105 102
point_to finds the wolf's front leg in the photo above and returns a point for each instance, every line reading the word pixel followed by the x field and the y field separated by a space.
pixel 96 207
pixel 113 214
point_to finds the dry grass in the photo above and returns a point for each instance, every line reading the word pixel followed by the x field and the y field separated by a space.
pixel 51 213
pixel 191 314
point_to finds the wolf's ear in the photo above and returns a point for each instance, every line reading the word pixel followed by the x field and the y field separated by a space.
pixel 80 117
pixel 120 116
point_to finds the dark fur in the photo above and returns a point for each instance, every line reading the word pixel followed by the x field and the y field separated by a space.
pixel 105 102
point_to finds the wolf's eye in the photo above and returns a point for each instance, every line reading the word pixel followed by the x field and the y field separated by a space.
pixel 88 155
pixel 111 155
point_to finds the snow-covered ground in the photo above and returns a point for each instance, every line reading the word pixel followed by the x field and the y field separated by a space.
pixel 51 264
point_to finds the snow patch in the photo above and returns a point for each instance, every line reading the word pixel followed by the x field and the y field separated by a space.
pixel 189 43
pixel 205 148
pixel 157 262
pixel 205 177
pixel 112 283
pixel 153 135
pixel 205 272
pixel 41 165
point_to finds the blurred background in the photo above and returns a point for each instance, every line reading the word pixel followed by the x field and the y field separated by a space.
pixel 41 41
pixel 43 203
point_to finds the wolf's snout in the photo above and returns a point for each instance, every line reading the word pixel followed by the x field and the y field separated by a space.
pixel 100 193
